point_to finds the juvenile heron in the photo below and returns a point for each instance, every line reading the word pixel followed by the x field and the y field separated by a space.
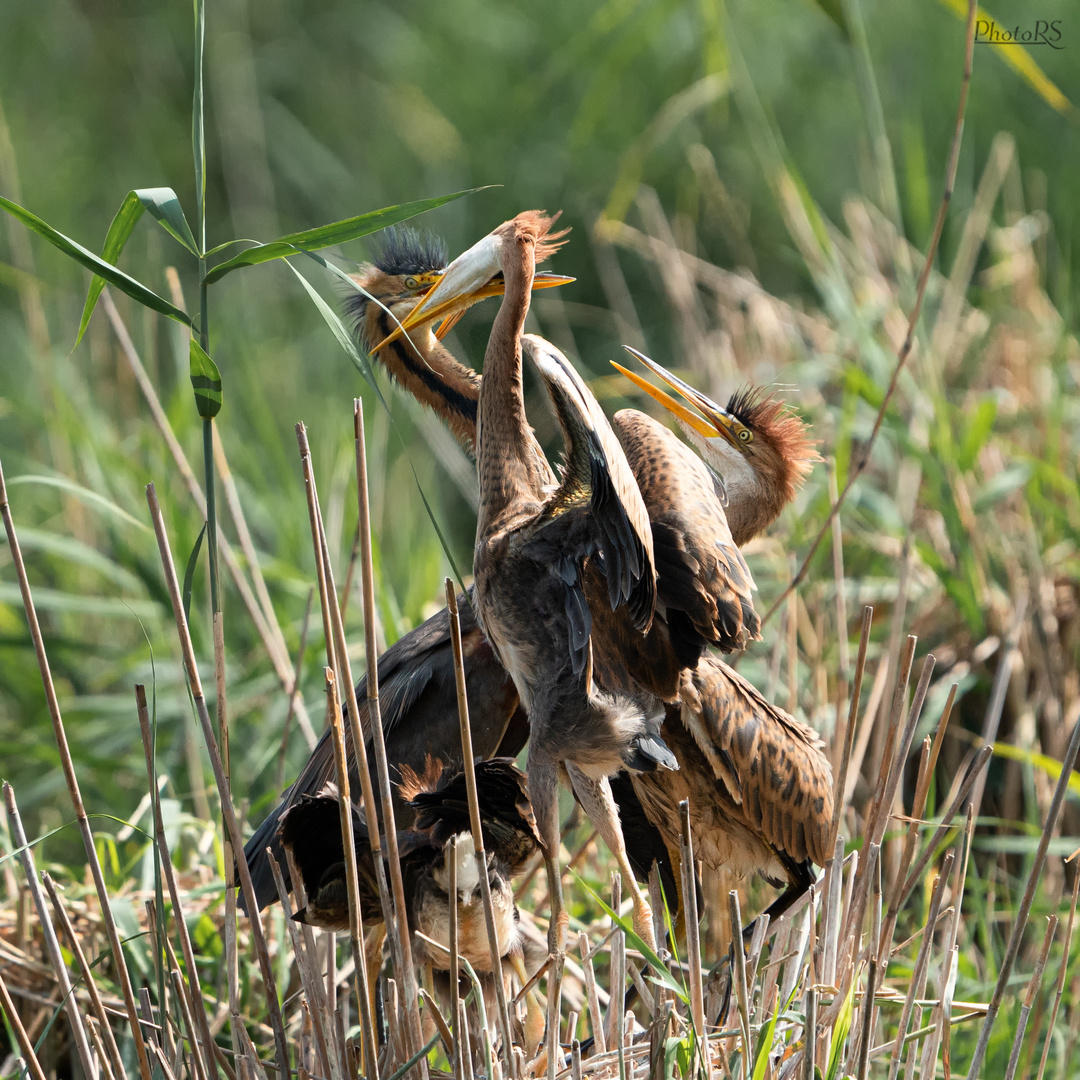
pixel 311 830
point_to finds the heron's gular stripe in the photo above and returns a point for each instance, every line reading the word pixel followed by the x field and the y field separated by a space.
pixel 455 400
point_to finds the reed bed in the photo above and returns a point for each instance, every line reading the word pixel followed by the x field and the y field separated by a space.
pixel 930 625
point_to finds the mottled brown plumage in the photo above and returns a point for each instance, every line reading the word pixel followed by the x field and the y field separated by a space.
pixel 758 782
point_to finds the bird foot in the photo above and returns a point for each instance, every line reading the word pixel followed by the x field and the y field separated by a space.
pixel 643 924
pixel 557 932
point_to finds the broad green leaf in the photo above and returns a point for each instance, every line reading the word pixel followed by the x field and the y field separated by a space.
pixel 114 276
pixel 1049 765
pixel 627 927
pixel 189 573
pixel 164 205
pixel 977 427
pixel 840 1033
pixel 1001 484
pixel 336 233
pixel 205 380
pixel 131 209
pixel 1017 57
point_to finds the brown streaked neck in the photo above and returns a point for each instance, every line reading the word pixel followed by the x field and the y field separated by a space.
pixel 433 375
pixel 506 452
pixel 750 510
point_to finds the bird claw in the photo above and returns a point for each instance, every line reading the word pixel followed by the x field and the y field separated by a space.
pixel 643 924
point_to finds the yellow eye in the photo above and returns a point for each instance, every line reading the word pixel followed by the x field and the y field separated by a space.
pixel 746 435
pixel 411 283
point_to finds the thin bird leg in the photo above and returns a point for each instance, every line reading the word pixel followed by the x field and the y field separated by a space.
pixel 534 1015
pixel 597 801
pixel 544 795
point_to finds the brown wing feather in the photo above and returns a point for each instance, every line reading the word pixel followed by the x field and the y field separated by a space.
pixel 597 475
pixel 699 569
pixel 784 780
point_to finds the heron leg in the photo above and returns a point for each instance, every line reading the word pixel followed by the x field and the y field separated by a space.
pixel 597 801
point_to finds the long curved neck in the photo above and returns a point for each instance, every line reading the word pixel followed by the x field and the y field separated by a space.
pixel 506 446
pixel 433 375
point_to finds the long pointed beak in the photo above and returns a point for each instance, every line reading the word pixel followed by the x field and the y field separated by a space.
pixel 473 276
pixel 717 420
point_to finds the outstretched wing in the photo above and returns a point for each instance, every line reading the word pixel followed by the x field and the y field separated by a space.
pixel 773 765
pixel 597 477
pixel 699 570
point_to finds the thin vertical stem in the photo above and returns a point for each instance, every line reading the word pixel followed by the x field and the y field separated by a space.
pixel 469 767
pixel 72 782
pixel 408 974
pixel 231 824
pixel 206 1039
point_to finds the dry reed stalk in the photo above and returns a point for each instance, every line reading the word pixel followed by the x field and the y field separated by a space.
pixel 105 1036
pixel 1021 918
pixel 616 970
pixel 974 769
pixel 228 813
pixel 399 938
pixel 917 985
pixel 337 653
pixel 1060 988
pixel 891 763
pixel 793 647
pixel 1029 997
pixel 48 931
pixel 72 781
pixel 575 1060
pixel 317 1012
pixel 189 1022
pixel 455 974
pixel 348 840
pixel 860 461
pixel 21 1037
pixel 873 871
pixel 839 731
pixel 738 973
pixel 833 892
pixel 94 1030
pixel 839 792
pixel 263 623
pixel 157 936
pixel 469 768
pixel 998 691
pixel 693 930
pixel 200 1048
pixel 596 1022
pixel 294 697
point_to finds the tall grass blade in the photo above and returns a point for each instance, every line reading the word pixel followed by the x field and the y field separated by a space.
pixel 338 232
pixel 112 274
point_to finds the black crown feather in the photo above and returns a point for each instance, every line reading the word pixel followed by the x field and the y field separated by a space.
pixel 406 251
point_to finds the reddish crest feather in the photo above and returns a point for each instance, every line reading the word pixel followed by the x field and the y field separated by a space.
pixel 774 421
pixel 535 225
pixel 412 784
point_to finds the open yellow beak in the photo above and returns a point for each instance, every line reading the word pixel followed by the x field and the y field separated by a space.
pixel 472 276
pixel 717 420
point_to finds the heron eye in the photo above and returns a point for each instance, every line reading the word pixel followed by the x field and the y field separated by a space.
pixel 412 283
pixel 745 435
